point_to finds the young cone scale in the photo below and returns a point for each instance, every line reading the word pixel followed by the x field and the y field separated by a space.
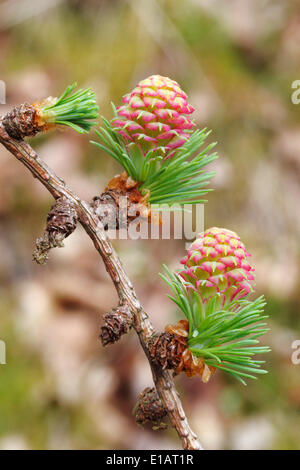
pixel 25 120
pixel 155 115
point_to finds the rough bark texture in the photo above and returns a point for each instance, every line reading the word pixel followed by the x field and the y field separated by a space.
pixel 56 186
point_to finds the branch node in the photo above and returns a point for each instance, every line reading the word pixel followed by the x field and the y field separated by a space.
pixel 170 351
pixel 149 409
pixel 107 210
pixel 61 222
pixel 117 323
pixel 121 203
pixel 166 350
pixel 23 121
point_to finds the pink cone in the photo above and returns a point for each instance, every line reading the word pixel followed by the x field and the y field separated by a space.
pixel 154 115
pixel 217 264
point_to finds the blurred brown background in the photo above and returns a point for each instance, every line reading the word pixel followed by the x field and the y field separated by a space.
pixel 236 60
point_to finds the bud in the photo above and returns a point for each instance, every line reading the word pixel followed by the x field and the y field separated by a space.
pixel 76 111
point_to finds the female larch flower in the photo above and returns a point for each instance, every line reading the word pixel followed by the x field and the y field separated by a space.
pixel 216 263
pixel 222 325
pixel 155 115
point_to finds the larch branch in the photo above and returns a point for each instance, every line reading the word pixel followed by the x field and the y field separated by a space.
pixel 126 293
